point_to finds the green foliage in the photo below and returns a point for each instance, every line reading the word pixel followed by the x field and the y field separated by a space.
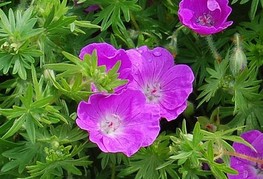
pixel 21 156
pixel 58 159
pixel 4 3
pixel 217 79
pixel 17 49
pixel 35 110
pixel 191 152
pixel 146 161
pixel 42 80
pixel 86 69
pixel 254 6
pixel 113 13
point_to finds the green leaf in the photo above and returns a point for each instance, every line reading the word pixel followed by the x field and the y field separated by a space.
pixel 50 17
pixel 61 67
pixel 253 9
pixel 210 151
pixel 86 24
pixel 111 14
pixel 181 155
pixel 15 127
pixel 10 165
pixel 4 127
pixel 13 113
pixel 20 156
pixel 217 172
pixel 197 135
pixel 72 58
pixel 4 3
pixel 42 102
pixel 239 140
pixel 36 85
pixel 214 82
pixel 28 97
pixel 30 128
pixel 4 20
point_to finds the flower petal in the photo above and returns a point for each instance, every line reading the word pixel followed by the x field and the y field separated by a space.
pixel 251 135
pixel 130 127
pixel 109 56
pixel 128 143
pixel 176 86
pixel 185 15
pixel 212 5
pixel 174 113
pixel 205 17
pixel 244 170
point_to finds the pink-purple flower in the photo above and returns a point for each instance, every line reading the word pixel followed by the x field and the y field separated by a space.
pixel 118 123
pixel 128 119
pixel 252 167
pixel 205 16
pixel 166 86
pixel 92 8
pixel 107 55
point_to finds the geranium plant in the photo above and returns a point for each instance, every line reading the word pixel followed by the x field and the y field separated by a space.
pixel 143 89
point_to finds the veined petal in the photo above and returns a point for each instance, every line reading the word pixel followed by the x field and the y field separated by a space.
pixel 186 15
pixel 108 56
pixel 165 86
pixel 118 123
pixel 245 167
pixel 129 142
pixel 174 113
pixel 212 5
pixel 244 170
pixel 251 135
pixel 205 17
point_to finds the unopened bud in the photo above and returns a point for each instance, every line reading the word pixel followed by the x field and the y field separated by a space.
pixel 49 74
pixel 238 59
pixel 189 111
pixel 172 46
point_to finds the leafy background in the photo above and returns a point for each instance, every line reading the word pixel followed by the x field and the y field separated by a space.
pixel 42 81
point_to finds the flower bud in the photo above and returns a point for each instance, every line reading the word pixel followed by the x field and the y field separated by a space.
pixel 49 74
pixel 189 111
pixel 238 59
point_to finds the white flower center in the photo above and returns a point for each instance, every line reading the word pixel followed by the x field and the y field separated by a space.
pixel 153 92
pixel 110 124
pixel 259 168
pixel 205 20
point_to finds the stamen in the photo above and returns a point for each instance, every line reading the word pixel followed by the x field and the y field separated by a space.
pixel 205 20
pixel 152 92
pixel 110 124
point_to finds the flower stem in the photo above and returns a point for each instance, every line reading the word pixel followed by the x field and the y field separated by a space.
pixel 133 20
pixel 239 155
pixel 213 49
pixel 113 171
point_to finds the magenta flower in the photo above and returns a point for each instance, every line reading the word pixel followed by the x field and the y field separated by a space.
pixel 109 56
pixel 205 16
pixel 92 8
pixel 118 123
pixel 247 168
pixel 165 86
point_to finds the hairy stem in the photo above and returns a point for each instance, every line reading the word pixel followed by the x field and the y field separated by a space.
pixel 212 47
pixel 243 156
